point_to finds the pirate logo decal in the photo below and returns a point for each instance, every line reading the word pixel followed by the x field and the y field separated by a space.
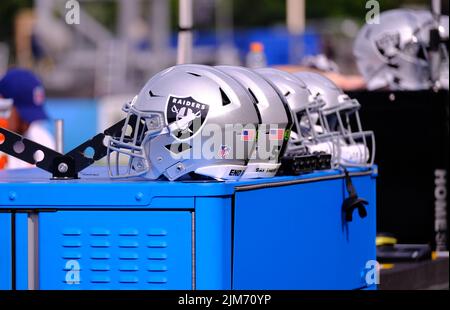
pixel 388 45
pixel 188 113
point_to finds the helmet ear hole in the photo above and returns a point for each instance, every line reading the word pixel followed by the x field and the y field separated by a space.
pixel 153 95
pixel 225 100
pixel 253 95
pixel 194 74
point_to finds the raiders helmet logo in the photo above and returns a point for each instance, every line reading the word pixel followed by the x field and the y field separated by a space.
pixel 388 45
pixel 178 108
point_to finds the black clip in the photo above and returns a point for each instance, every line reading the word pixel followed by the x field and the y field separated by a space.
pixel 323 161
pixel 296 165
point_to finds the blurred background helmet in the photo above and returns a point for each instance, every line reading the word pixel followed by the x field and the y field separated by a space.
pixel 276 121
pixel 308 126
pixel 392 54
pixel 188 119
pixel 427 22
pixel 352 145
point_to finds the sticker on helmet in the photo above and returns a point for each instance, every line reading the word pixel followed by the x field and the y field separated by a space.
pixel 388 45
pixel 188 109
pixel 224 151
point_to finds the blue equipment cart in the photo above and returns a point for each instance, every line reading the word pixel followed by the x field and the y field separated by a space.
pixel 97 233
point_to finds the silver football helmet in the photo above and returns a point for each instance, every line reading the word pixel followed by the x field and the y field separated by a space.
pixel 427 22
pixel 308 135
pixel 354 147
pixel 391 54
pixel 276 121
pixel 188 119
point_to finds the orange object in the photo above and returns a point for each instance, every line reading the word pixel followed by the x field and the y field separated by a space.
pixel 3 157
pixel 256 47
pixel 3 161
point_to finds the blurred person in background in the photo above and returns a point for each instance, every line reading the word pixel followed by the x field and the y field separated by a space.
pixel 27 116
pixel 346 82
pixel 322 64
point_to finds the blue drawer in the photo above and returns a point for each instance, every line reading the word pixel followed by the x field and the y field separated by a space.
pixel 115 250
pixel 295 237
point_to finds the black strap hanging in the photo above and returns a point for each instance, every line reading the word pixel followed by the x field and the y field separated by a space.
pixel 352 202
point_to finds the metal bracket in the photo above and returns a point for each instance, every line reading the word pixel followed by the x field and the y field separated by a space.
pixel 27 150
pixel 61 166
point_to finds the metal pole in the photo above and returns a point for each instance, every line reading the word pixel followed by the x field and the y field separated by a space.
pixel 224 21
pixel 295 11
pixel 159 19
pixel 128 13
pixel 59 135
pixel 185 24
pixel 295 20
pixel 227 53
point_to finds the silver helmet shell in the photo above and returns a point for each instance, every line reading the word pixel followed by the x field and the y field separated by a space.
pixel 308 126
pixel 354 146
pixel 189 113
pixel 390 54
pixel 276 120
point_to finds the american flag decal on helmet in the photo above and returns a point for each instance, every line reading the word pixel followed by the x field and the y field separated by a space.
pixel 248 135
pixel 224 151
pixel 276 134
